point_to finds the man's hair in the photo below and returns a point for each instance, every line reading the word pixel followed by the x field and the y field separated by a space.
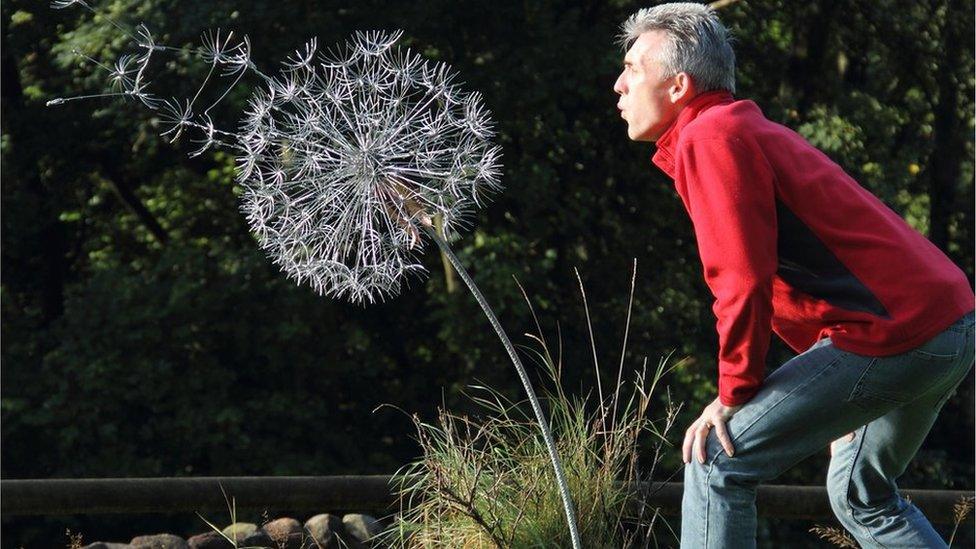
pixel 697 43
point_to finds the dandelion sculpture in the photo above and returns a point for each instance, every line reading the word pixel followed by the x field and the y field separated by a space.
pixel 345 158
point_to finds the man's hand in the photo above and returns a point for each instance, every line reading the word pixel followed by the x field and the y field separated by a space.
pixel 714 415
pixel 846 438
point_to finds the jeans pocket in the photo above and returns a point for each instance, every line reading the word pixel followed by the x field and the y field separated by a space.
pixel 897 380
pixel 874 390
pixel 944 347
pixel 902 378
pixel 962 367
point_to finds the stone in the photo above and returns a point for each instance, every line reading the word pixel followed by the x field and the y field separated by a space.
pixel 159 541
pixel 107 545
pixel 286 532
pixel 209 540
pixel 240 530
pixel 323 528
pixel 361 527
pixel 258 538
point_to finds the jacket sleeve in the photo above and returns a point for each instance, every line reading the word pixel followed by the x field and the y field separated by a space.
pixel 729 193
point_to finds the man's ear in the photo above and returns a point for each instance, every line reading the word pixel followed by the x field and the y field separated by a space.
pixel 682 88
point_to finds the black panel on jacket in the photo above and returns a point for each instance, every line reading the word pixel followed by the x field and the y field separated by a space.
pixel 809 266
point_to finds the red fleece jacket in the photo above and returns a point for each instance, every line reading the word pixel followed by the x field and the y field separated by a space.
pixel 791 243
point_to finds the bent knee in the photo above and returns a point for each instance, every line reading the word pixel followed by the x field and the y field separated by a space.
pixel 722 472
pixel 852 512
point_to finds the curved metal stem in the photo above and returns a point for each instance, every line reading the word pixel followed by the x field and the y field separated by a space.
pixel 536 407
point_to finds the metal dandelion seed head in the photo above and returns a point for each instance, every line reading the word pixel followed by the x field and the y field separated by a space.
pixel 343 152
pixel 342 155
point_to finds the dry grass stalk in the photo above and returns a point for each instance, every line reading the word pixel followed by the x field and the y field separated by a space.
pixel 960 511
pixel 74 540
pixel 836 536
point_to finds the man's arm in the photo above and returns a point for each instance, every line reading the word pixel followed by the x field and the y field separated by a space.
pixel 729 193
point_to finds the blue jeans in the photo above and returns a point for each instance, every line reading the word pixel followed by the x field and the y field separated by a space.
pixel 814 400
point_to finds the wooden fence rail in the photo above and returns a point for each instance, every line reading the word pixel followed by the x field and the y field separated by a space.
pixel 371 493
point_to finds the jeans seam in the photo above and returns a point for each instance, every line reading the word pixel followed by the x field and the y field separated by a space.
pixel 933 356
pixel 847 491
pixel 708 501
pixel 856 391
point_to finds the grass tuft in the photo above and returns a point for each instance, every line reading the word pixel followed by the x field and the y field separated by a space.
pixel 486 481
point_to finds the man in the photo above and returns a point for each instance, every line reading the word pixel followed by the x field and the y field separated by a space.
pixel 791 244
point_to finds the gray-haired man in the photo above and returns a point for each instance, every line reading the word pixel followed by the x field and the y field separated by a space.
pixel 790 244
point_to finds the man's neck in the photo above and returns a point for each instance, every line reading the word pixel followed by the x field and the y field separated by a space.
pixel 664 155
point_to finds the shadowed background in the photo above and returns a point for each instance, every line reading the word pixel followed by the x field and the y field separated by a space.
pixel 145 334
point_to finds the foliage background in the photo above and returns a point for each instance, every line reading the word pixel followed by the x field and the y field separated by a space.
pixel 145 335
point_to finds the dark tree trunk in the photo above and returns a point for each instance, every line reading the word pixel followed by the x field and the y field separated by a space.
pixel 944 164
pixel 810 57
pixel 124 191
pixel 49 259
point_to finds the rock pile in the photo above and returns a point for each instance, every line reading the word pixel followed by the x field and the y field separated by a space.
pixel 323 531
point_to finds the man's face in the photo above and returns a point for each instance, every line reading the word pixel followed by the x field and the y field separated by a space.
pixel 647 101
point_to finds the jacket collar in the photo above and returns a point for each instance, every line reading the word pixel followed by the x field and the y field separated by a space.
pixel 664 155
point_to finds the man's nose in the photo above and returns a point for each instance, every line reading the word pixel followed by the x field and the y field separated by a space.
pixel 618 86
